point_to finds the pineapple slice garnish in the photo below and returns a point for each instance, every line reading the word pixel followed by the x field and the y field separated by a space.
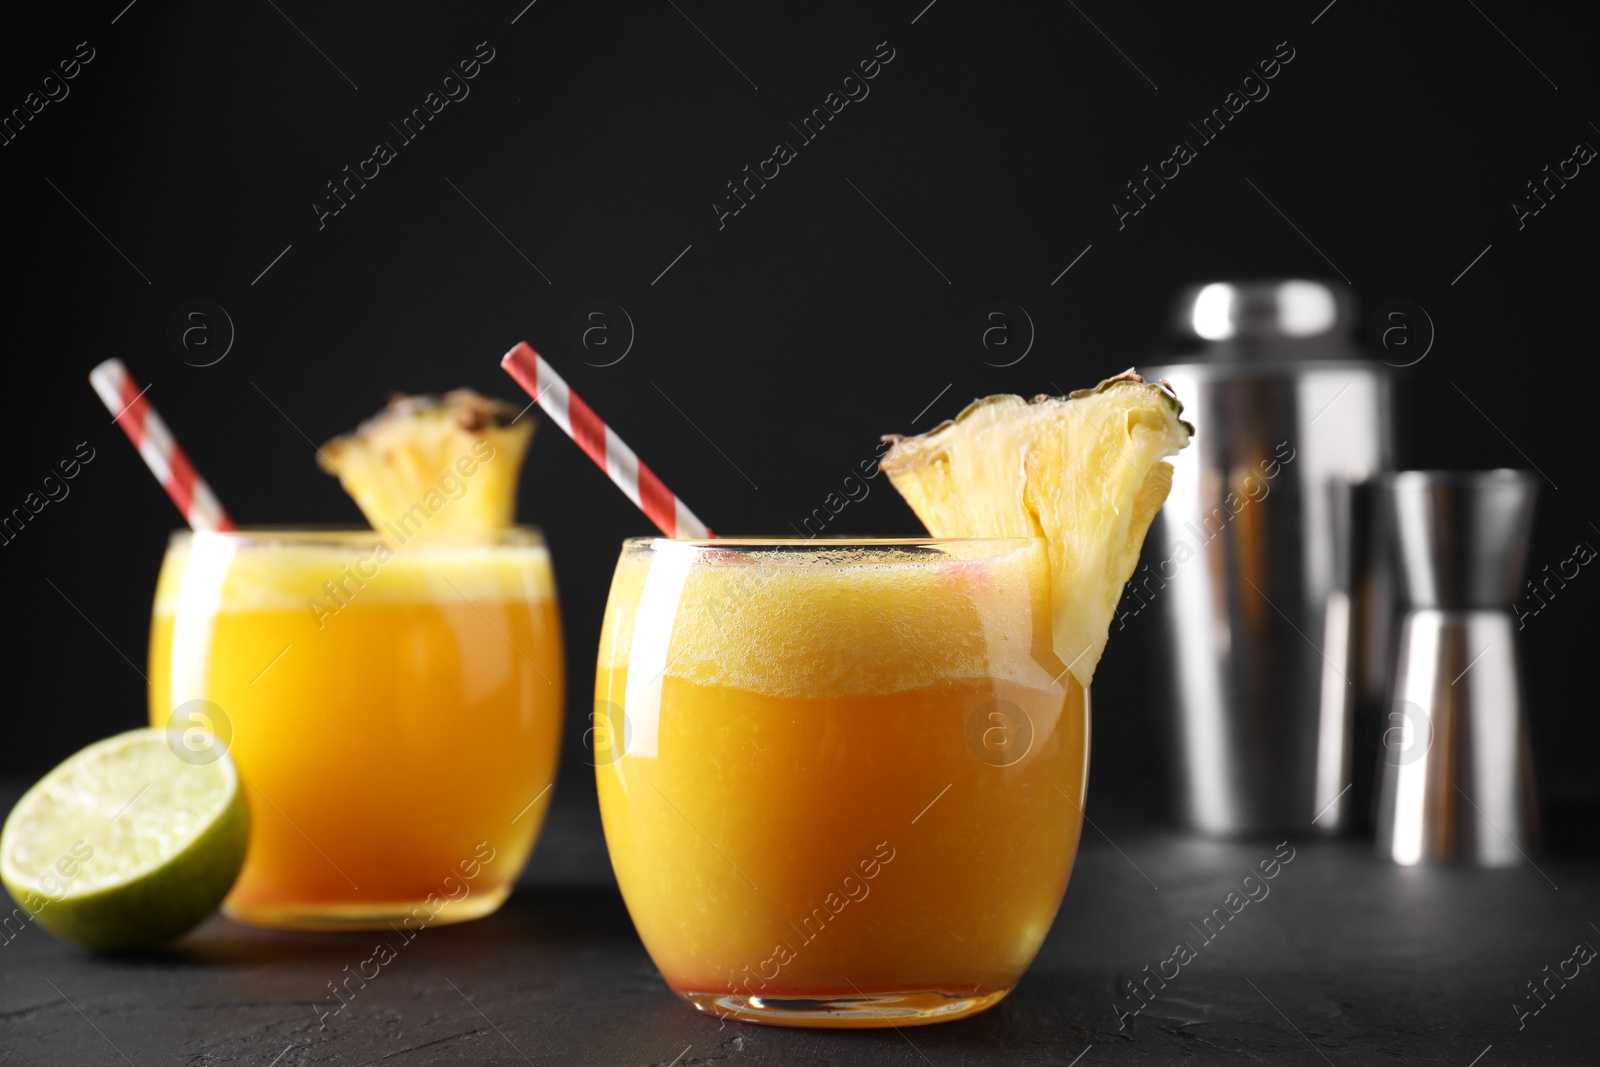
pixel 428 465
pixel 1087 473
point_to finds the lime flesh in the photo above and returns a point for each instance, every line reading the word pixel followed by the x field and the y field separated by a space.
pixel 127 844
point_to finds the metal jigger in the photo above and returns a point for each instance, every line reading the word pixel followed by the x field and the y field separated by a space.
pixel 1457 779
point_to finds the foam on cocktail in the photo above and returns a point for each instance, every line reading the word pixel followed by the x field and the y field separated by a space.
pixel 825 623
pixel 276 571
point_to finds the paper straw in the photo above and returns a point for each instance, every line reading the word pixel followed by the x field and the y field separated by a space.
pixel 671 515
pixel 129 409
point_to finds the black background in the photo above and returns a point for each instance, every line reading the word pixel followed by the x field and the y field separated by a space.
pixel 596 140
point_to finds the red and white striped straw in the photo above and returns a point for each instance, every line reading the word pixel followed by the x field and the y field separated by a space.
pixel 671 515
pixel 129 409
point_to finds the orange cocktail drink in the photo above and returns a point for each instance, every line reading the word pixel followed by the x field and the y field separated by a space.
pixel 394 712
pixel 841 783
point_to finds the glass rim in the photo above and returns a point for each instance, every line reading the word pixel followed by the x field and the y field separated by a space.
pixel 340 535
pixel 777 545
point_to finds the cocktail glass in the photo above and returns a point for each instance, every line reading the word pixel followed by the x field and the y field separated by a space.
pixel 394 711
pixel 841 782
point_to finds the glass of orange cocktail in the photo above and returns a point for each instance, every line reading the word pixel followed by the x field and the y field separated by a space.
pixel 841 782
pixel 394 710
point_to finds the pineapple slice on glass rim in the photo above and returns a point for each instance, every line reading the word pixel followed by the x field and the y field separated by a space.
pixel 429 465
pixel 1086 472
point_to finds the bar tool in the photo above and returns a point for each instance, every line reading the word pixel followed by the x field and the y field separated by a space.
pixel 1242 557
pixel 1456 772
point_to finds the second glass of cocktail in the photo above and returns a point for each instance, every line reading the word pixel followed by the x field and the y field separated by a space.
pixel 392 697
pixel 394 711
pixel 841 782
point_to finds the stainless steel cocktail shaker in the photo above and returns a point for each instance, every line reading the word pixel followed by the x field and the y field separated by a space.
pixel 1241 561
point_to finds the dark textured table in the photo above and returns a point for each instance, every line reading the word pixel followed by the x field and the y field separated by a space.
pixel 1339 958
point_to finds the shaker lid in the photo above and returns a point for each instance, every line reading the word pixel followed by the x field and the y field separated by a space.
pixel 1270 319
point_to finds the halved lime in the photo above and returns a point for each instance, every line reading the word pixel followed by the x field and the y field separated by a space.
pixel 126 844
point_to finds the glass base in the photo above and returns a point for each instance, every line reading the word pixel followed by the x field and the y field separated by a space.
pixel 852 1011
pixel 394 915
